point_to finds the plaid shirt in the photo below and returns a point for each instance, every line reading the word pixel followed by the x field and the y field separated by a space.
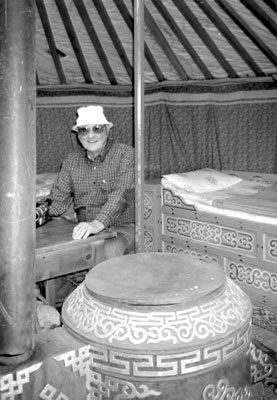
pixel 101 189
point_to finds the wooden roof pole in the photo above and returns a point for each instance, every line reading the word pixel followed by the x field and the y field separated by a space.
pixel 139 118
pixel 17 179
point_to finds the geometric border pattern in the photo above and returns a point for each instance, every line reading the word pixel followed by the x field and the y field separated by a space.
pixel 14 387
pixel 83 362
pixel 88 360
pixel 110 361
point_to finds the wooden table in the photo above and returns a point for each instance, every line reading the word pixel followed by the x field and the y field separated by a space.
pixel 58 254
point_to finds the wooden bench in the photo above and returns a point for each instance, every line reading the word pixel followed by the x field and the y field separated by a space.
pixel 58 254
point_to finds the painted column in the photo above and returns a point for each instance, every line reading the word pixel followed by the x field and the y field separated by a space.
pixel 139 119
pixel 17 178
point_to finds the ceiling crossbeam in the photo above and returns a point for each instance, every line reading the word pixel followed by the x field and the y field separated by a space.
pixel 161 40
pixel 261 15
pixel 230 37
pixel 73 39
pixel 79 4
pixel 182 38
pixel 114 37
pixel 147 52
pixel 50 39
pixel 196 25
pixel 248 31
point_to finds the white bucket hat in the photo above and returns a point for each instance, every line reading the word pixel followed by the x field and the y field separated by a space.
pixel 91 115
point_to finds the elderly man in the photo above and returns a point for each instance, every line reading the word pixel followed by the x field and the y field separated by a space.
pixel 99 180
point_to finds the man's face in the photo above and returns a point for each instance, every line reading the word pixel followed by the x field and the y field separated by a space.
pixel 93 137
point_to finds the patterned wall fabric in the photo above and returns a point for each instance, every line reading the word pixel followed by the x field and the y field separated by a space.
pixel 54 138
pixel 203 127
pixel 240 137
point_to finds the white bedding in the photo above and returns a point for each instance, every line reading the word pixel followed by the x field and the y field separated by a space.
pixel 202 180
pixel 216 201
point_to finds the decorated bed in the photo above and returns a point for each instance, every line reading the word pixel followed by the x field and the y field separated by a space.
pixel 229 217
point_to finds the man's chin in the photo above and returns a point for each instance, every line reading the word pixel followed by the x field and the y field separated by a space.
pixel 93 149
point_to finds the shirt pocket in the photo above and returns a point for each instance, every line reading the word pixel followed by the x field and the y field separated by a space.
pixel 100 192
pixel 106 186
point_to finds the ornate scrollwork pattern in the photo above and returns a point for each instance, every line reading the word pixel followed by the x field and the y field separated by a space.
pixel 273 248
pixel 252 276
pixel 271 382
pixel 196 324
pixel 170 200
pixel 148 207
pixel 260 367
pixel 270 248
pixel 177 249
pixel 211 234
pixel 148 241
pixel 223 391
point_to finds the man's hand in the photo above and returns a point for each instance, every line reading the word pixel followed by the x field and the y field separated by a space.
pixel 84 229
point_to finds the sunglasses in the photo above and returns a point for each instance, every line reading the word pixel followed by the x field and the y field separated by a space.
pixel 84 130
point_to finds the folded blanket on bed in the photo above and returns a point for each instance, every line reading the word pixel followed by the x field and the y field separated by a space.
pixel 263 202
pixel 248 196
pixel 202 180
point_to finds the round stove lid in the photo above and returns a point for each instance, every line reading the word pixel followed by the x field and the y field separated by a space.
pixel 154 279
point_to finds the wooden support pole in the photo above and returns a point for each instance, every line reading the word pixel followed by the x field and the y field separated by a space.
pixel 139 119
pixel 17 179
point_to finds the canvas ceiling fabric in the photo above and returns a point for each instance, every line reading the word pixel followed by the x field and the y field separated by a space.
pixel 92 41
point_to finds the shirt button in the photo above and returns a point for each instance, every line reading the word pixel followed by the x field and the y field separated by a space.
pixel 94 168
